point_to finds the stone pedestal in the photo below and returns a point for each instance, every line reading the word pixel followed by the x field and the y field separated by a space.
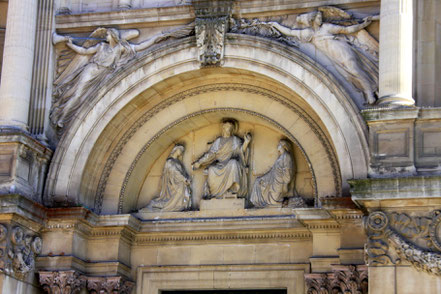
pixel 23 165
pixel 223 204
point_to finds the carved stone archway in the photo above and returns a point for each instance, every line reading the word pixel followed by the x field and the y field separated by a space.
pixel 281 66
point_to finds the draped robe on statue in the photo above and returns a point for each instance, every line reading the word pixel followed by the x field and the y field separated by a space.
pixel 175 192
pixel 272 187
pixel 228 173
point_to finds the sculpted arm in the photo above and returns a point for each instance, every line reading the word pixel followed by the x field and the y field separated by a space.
pixel 298 33
pixel 335 29
pixel 206 159
pixel 82 50
pixel 147 43
pixel 246 142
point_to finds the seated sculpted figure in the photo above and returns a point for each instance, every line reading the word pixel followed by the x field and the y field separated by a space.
pixel 175 192
pixel 226 164
pixel 271 188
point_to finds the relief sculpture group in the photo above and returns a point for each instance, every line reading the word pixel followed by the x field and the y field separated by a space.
pixel 226 168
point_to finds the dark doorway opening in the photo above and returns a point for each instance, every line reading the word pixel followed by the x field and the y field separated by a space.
pixel 226 292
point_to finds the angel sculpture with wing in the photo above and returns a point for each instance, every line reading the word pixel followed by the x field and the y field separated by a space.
pixel 344 41
pixel 92 63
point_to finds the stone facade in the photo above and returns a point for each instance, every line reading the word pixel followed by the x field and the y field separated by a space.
pixel 150 146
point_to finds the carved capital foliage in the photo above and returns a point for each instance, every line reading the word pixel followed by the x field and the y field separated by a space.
pixel 212 19
pixel 62 282
pixel 109 285
pixel 18 249
pixel 343 279
pixel 393 237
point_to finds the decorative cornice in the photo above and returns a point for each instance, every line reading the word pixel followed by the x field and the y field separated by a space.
pixel 142 240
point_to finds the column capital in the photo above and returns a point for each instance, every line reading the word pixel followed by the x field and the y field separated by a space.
pixel 115 284
pixel 63 282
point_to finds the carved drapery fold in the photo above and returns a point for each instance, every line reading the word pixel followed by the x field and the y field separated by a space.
pixel 396 236
pixel 347 279
pixel 62 282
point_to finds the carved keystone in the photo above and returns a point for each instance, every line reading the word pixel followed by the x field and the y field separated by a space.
pixel 211 26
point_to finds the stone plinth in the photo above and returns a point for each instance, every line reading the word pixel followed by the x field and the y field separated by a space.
pixel 223 204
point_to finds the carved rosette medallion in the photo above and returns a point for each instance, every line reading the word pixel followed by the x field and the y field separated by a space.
pixel 377 221
pixel 393 237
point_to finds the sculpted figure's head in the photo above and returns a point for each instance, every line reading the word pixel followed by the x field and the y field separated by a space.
pixel 229 127
pixel 112 35
pixel 310 19
pixel 318 20
pixel 284 146
pixel 177 151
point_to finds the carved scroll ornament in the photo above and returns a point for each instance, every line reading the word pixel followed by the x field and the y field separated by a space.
pixel 396 236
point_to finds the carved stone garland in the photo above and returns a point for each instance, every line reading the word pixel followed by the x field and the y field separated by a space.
pixel 415 239
pixel 343 279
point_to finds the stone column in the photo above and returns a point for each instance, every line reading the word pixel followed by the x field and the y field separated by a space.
pixel 396 52
pixel 18 58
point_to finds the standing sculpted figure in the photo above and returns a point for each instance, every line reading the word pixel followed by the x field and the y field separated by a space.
pixel 326 37
pixel 271 188
pixel 175 192
pixel 93 64
pixel 226 164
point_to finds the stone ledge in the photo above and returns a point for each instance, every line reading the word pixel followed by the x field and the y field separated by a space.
pixel 426 190
pixel 388 113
